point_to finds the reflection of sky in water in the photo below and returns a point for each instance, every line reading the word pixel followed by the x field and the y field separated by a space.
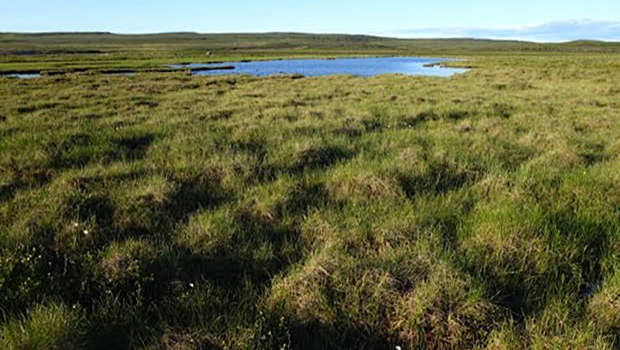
pixel 344 66
pixel 21 76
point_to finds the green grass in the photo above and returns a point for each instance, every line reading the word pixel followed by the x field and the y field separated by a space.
pixel 65 51
pixel 162 211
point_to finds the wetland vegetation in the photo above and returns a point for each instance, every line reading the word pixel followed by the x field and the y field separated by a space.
pixel 167 211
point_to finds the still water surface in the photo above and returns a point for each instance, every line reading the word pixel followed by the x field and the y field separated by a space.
pixel 21 76
pixel 342 66
pixel 317 67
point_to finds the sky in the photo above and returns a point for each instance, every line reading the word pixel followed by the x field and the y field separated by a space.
pixel 535 20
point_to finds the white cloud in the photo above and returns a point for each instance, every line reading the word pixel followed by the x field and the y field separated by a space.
pixel 554 31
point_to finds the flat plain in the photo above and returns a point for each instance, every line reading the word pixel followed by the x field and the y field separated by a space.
pixel 168 211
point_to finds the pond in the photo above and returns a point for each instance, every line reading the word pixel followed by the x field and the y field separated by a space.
pixel 38 75
pixel 21 75
pixel 319 67
pixel 364 67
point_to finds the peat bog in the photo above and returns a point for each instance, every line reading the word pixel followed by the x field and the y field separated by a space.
pixel 166 211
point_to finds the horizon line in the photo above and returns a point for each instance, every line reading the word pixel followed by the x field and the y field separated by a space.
pixel 99 32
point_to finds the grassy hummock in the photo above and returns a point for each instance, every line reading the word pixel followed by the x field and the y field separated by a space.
pixel 163 211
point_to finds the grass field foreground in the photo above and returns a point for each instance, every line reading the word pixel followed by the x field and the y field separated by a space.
pixel 162 211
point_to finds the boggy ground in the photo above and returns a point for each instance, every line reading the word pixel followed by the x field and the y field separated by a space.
pixel 173 212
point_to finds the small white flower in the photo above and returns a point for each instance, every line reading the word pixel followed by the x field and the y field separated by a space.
pixel 75 224
pixel 191 285
pixel 86 232
pixel 398 347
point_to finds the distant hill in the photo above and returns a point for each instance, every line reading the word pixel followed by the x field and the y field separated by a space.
pixel 28 43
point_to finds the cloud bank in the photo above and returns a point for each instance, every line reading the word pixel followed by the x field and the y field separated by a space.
pixel 555 31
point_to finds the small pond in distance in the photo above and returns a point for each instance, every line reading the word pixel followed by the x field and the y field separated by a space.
pixel 342 66
pixel 21 75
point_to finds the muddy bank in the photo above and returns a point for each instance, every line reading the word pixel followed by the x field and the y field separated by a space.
pixel 202 69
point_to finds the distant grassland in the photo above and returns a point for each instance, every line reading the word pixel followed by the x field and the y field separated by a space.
pixel 103 50
pixel 163 211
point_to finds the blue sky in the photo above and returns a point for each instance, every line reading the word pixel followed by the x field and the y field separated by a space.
pixel 538 20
